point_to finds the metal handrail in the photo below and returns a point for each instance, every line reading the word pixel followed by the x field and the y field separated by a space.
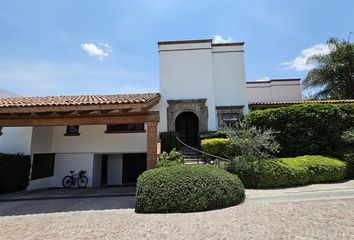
pixel 208 154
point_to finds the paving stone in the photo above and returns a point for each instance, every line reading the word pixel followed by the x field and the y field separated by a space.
pixel 324 219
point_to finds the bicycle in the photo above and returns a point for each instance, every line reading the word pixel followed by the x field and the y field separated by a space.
pixel 78 179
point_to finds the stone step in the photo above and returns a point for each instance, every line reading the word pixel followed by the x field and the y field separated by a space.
pixel 194 162
pixel 191 156
pixel 190 152
pixel 192 159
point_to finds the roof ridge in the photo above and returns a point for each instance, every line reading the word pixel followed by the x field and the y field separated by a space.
pixel 76 100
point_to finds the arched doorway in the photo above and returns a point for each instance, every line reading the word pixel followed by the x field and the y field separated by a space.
pixel 187 128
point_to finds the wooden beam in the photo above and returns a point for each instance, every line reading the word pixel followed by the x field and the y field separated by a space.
pixel 97 107
pixel 151 104
pixel 24 121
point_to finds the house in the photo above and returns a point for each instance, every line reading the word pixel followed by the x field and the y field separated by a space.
pixel 115 137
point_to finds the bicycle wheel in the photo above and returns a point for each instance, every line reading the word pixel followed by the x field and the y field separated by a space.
pixel 82 181
pixel 67 181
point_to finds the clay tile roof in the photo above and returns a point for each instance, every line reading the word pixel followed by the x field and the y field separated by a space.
pixel 79 100
pixel 301 102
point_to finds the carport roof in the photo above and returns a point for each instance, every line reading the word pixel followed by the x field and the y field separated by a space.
pixel 83 109
pixel 77 100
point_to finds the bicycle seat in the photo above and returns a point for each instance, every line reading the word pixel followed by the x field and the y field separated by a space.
pixel 71 172
pixel 82 172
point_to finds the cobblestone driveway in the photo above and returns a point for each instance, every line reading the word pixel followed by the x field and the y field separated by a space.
pixel 325 219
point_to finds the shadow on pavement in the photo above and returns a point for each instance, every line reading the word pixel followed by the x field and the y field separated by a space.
pixel 66 200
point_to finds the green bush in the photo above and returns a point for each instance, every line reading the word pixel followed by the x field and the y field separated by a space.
pixel 305 129
pixel 289 171
pixel 347 113
pixel 319 168
pixel 14 172
pixel 275 173
pixel 168 141
pixel 346 152
pixel 250 143
pixel 212 134
pixel 170 159
pixel 243 169
pixel 187 189
pixel 215 146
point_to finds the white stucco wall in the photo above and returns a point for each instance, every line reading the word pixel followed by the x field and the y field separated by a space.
pixel 42 140
pixel 274 90
pixel 186 72
pixel 15 139
pixel 92 139
pixel 115 169
pixel 229 76
pixel 64 163
pixel 40 183
pixel 202 70
pixel 84 152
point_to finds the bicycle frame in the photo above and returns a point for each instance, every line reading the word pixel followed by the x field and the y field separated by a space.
pixel 75 176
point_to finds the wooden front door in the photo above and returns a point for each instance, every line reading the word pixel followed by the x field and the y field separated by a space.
pixel 134 164
pixel 187 128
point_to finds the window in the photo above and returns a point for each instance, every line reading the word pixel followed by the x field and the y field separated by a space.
pixel 123 128
pixel 72 130
pixel 230 118
pixel 42 165
pixel 228 115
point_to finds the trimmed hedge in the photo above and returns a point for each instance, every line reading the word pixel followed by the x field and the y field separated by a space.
pixel 346 153
pixel 289 171
pixel 305 129
pixel 212 134
pixel 187 189
pixel 215 146
pixel 168 141
pixel 14 172
pixel 347 112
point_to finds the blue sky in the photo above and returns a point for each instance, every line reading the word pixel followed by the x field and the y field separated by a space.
pixel 110 46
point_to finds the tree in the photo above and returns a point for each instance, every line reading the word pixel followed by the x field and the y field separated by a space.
pixel 250 143
pixel 333 72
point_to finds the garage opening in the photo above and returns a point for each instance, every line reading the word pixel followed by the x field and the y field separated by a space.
pixel 134 164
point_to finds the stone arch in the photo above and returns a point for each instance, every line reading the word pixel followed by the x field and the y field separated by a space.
pixel 196 106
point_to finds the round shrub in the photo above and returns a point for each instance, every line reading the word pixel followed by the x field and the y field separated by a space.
pixel 186 188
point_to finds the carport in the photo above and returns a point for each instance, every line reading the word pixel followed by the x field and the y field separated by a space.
pixel 128 109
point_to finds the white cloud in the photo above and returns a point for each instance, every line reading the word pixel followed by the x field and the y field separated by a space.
pixel 264 79
pixel 101 50
pixel 221 39
pixel 300 62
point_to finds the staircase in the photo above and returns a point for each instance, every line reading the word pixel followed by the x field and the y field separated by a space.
pixel 191 156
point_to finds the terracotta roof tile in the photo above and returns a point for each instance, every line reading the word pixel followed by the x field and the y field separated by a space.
pixel 301 102
pixel 79 100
